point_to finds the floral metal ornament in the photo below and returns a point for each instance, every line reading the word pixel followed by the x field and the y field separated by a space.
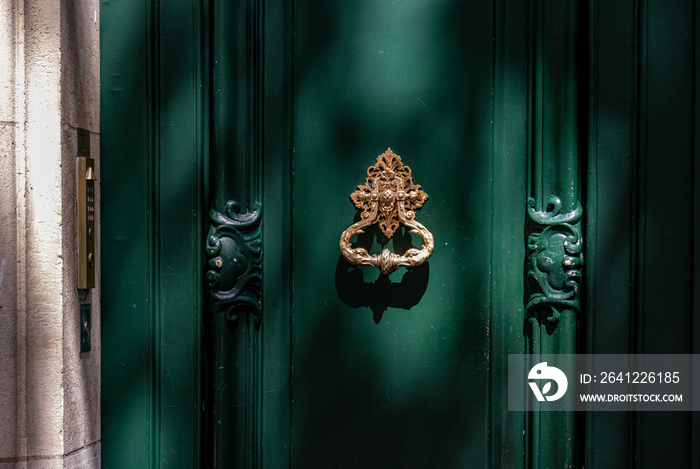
pixel 388 198
pixel 234 258
pixel 555 262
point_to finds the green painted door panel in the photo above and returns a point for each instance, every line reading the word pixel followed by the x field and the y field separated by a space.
pixel 332 365
pixel 395 375
pixel 643 215
pixel 152 225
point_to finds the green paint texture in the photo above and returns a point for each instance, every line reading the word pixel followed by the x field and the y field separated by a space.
pixel 491 104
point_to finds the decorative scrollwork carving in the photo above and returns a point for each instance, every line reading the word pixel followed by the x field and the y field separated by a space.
pixel 388 198
pixel 555 262
pixel 553 213
pixel 234 255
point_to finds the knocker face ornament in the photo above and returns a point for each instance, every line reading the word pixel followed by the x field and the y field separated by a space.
pixel 386 201
pixel 388 198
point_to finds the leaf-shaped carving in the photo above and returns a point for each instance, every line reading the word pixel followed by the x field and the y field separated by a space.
pixel 555 262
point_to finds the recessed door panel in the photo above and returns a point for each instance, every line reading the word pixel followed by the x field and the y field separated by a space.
pixel 392 372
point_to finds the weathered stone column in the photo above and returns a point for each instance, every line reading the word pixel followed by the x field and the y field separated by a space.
pixel 49 86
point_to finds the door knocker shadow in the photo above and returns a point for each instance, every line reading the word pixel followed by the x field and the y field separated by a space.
pixel 382 293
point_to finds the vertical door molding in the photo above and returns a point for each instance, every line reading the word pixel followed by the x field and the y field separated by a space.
pixel 554 216
pixel 152 168
pixel 233 278
pixel 555 240
pixel 510 145
pixel 234 247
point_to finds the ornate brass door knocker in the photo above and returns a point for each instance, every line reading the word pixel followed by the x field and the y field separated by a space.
pixel 388 198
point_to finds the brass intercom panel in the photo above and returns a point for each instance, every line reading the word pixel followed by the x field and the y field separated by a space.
pixel 86 212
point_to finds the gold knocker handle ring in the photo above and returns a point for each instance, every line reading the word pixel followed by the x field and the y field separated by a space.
pixel 388 198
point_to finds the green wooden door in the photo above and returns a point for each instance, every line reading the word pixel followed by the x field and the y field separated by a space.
pixel 267 115
pixel 235 335
pixel 337 366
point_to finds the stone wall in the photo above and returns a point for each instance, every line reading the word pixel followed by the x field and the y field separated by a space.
pixel 49 86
